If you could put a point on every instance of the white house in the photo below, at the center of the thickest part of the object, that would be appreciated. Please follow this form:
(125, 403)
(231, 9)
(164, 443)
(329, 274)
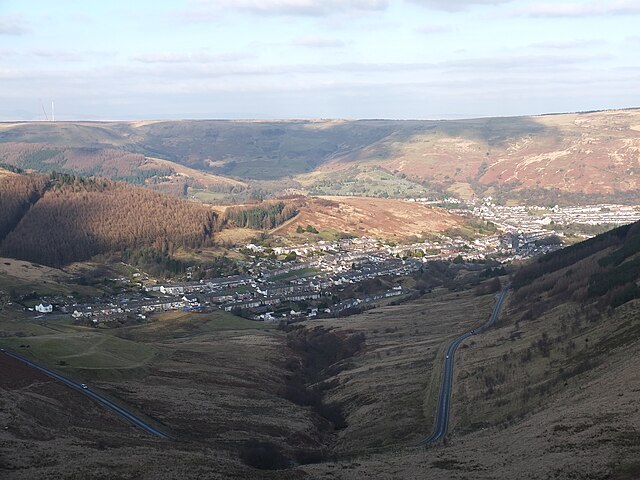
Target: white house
(44, 308)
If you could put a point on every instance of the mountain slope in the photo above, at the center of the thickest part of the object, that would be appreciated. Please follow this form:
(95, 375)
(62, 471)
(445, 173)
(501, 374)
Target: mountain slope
(557, 380)
(576, 157)
(58, 219)
(374, 217)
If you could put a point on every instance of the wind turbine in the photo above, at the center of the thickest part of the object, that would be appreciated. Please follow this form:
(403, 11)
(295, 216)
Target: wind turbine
(44, 111)
(53, 115)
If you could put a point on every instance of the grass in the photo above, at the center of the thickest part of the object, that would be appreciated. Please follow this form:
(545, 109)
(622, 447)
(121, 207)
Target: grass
(516, 367)
(16, 324)
(65, 346)
(112, 354)
(214, 321)
(208, 197)
(398, 374)
(82, 350)
(363, 180)
(43, 288)
(626, 471)
(303, 272)
(22, 278)
(178, 324)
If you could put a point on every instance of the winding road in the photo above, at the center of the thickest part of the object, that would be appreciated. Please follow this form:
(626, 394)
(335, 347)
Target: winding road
(444, 400)
(82, 388)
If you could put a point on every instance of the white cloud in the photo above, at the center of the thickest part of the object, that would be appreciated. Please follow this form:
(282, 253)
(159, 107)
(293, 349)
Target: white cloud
(569, 45)
(298, 7)
(455, 5)
(580, 9)
(13, 25)
(195, 58)
(433, 29)
(58, 55)
(319, 42)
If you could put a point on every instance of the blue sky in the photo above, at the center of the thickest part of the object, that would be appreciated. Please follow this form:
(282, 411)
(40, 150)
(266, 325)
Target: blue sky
(315, 58)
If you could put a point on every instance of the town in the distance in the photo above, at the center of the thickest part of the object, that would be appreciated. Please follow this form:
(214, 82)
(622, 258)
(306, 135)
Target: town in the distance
(295, 282)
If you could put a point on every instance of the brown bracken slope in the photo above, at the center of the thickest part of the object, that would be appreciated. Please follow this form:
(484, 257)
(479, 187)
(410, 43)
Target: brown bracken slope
(373, 217)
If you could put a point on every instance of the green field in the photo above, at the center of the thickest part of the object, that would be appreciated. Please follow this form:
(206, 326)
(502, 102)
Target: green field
(69, 347)
(178, 324)
(208, 197)
(303, 272)
(82, 350)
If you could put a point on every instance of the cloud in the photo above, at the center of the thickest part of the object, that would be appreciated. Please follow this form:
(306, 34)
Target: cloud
(502, 64)
(319, 42)
(314, 8)
(58, 55)
(501, 85)
(569, 45)
(62, 55)
(456, 5)
(579, 9)
(13, 25)
(195, 58)
(432, 29)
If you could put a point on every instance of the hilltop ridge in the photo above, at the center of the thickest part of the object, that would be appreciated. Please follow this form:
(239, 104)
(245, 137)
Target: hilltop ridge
(575, 156)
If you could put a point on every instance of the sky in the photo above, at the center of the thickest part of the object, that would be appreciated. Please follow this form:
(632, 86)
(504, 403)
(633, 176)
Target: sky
(263, 59)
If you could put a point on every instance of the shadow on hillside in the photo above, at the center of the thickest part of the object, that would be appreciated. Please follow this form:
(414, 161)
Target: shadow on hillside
(494, 132)
(271, 150)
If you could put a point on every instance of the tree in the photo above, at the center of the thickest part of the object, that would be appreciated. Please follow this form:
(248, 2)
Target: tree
(291, 256)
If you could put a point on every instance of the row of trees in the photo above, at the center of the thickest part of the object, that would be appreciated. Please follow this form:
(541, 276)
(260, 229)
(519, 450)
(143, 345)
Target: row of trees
(264, 216)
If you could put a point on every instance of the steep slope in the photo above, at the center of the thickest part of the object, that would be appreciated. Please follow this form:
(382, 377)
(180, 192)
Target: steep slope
(17, 194)
(551, 392)
(561, 368)
(60, 219)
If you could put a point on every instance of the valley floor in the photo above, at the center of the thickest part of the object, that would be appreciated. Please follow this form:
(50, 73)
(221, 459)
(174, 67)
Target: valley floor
(215, 384)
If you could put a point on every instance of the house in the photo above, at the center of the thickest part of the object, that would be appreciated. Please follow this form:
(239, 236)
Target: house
(44, 308)
(191, 300)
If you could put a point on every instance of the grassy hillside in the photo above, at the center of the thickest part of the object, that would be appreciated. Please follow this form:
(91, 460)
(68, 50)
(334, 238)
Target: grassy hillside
(560, 366)
(571, 157)
(552, 390)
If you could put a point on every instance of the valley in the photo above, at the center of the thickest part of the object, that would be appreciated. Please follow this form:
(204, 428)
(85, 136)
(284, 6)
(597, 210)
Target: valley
(551, 159)
(319, 239)
(280, 320)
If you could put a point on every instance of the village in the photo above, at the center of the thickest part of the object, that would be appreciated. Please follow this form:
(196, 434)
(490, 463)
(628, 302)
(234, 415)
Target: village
(535, 219)
(292, 283)
(321, 281)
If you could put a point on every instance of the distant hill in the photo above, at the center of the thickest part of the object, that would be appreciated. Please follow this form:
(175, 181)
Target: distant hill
(577, 157)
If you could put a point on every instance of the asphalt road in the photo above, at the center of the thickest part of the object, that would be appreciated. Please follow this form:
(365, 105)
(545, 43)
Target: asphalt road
(131, 418)
(444, 400)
